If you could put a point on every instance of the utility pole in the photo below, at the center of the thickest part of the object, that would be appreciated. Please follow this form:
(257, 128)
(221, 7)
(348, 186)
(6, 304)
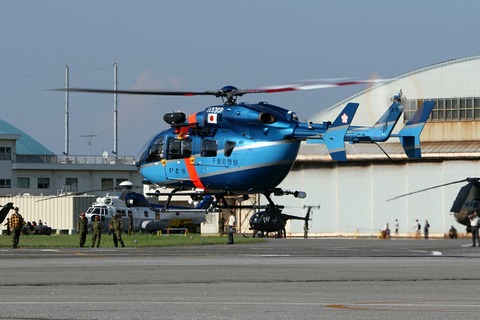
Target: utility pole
(115, 111)
(67, 137)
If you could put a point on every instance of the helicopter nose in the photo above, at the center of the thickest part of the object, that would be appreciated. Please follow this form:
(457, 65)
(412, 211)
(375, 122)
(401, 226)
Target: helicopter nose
(137, 164)
(140, 158)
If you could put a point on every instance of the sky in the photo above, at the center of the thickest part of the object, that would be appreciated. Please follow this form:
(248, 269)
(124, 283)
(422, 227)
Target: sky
(205, 45)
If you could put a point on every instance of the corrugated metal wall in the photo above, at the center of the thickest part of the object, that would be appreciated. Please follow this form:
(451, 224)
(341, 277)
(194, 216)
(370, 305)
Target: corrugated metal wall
(61, 213)
(353, 195)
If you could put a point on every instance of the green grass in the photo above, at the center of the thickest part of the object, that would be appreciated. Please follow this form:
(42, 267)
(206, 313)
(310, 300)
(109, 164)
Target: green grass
(135, 240)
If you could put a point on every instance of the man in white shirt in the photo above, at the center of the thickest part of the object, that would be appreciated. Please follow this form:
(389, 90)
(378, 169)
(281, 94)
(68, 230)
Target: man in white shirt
(474, 220)
(231, 227)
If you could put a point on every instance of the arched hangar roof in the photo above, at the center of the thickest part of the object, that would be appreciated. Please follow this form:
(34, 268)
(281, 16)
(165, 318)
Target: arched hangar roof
(453, 129)
(449, 79)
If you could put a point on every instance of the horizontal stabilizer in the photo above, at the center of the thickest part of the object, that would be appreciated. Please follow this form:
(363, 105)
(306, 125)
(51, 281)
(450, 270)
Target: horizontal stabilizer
(335, 134)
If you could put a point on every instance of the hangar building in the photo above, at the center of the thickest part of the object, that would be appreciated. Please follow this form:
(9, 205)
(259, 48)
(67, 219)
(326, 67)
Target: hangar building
(353, 195)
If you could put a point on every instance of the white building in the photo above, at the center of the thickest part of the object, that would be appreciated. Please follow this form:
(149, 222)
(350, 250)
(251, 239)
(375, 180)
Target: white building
(27, 167)
(29, 170)
(353, 195)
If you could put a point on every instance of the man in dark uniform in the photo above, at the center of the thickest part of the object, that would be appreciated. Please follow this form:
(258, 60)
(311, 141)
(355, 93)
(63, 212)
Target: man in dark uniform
(82, 229)
(115, 227)
(97, 231)
(130, 224)
(16, 226)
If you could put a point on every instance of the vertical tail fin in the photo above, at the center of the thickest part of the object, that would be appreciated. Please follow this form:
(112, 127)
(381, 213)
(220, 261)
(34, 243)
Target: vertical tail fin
(410, 134)
(335, 134)
(383, 128)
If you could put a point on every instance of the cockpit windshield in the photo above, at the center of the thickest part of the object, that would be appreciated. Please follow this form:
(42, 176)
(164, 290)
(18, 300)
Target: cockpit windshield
(156, 151)
(149, 150)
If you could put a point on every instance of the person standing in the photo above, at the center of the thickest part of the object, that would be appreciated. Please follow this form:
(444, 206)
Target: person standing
(82, 229)
(231, 227)
(16, 226)
(115, 227)
(417, 228)
(130, 224)
(221, 225)
(426, 228)
(97, 232)
(386, 231)
(474, 221)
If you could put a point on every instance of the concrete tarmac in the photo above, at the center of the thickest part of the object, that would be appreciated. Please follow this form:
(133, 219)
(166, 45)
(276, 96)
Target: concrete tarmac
(278, 279)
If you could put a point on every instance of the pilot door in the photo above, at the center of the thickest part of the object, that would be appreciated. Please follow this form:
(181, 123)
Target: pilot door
(178, 159)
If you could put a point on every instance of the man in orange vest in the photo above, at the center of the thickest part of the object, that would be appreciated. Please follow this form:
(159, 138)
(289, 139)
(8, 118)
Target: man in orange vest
(16, 226)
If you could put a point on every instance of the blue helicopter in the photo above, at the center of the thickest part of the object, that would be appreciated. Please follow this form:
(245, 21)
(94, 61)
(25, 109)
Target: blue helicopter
(241, 149)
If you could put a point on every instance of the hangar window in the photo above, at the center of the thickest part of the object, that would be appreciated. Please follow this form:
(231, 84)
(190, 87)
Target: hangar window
(71, 184)
(107, 183)
(23, 182)
(5, 153)
(43, 183)
(447, 109)
(5, 183)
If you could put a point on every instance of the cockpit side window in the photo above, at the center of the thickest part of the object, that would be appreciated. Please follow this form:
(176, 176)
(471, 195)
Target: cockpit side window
(179, 148)
(156, 151)
(209, 148)
(229, 145)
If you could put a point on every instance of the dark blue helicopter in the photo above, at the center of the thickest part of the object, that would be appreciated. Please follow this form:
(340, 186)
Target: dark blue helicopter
(5, 210)
(240, 149)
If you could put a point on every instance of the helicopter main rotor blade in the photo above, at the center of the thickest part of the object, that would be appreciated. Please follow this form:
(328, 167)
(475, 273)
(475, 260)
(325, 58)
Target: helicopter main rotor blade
(430, 188)
(141, 92)
(79, 193)
(309, 85)
(230, 91)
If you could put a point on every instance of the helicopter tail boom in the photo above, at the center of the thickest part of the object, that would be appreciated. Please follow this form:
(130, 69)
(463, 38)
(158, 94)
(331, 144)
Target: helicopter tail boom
(380, 131)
